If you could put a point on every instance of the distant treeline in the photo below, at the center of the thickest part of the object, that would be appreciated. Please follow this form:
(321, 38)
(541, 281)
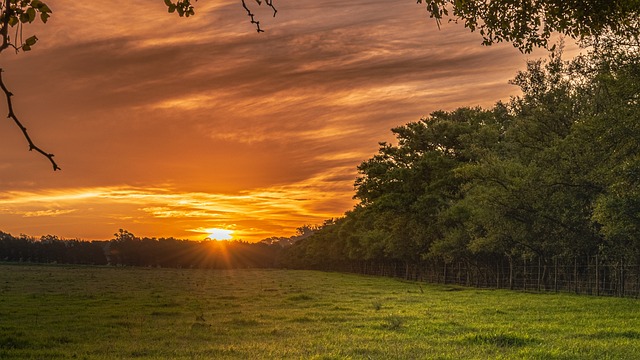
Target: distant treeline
(550, 180)
(128, 250)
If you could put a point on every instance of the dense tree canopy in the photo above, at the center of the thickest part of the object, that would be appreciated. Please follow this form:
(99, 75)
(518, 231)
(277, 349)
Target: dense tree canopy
(530, 23)
(551, 175)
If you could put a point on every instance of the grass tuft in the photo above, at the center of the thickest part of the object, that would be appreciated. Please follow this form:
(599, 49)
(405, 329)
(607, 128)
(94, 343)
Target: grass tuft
(393, 322)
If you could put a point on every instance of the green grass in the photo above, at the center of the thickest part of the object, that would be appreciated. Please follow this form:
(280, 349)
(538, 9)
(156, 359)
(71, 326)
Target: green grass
(51, 312)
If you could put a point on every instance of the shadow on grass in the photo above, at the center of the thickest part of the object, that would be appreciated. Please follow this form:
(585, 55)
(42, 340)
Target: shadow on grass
(501, 340)
(611, 334)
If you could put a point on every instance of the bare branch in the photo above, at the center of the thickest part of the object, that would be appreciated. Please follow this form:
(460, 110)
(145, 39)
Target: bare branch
(270, 3)
(252, 16)
(12, 115)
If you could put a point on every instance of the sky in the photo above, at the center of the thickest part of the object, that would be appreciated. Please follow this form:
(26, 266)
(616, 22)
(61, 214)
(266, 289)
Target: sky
(168, 126)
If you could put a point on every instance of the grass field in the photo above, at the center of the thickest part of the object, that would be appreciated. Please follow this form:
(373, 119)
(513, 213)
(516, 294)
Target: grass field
(49, 312)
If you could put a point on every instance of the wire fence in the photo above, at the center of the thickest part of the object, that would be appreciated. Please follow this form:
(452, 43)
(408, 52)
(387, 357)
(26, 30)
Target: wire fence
(589, 275)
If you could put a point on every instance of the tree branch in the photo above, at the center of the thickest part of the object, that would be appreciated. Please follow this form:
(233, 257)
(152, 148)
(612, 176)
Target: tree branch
(12, 115)
(252, 16)
(270, 3)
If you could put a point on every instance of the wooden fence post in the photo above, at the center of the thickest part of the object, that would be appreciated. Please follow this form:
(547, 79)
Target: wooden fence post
(575, 274)
(539, 272)
(597, 277)
(510, 273)
(555, 274)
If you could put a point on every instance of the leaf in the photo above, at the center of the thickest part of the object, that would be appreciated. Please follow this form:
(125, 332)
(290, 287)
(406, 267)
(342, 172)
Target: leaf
(36, 3)
(44, 17)
(13, 20)
(31, 13)
(26, 47)
(168, 2)
(172, 8)
(44, 9)
(31, 41)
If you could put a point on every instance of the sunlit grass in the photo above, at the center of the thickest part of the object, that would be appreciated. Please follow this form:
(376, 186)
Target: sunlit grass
(108, 313)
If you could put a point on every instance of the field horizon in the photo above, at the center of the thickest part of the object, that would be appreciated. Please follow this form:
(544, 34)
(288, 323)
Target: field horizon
(91, 312)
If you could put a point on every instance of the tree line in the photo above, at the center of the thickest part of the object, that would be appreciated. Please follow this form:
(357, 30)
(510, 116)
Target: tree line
(552, 176)
(126, 249)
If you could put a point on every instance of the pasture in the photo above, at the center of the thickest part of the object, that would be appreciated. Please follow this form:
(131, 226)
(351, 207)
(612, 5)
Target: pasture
(65, 312)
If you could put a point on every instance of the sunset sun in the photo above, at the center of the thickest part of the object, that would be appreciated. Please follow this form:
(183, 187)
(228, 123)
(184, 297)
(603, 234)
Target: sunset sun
(219, 234)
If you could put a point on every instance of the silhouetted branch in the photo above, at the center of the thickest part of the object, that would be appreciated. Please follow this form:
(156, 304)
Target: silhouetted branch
(12, 115)
(252, 16)
(270, 3)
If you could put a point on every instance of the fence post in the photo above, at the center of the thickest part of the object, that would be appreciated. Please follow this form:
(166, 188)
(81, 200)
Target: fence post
(555, 274)
(621, 279)
(575, 274)
(539, 273)
(597, 277)
(524, 277)
(445, 272)
(510, 273)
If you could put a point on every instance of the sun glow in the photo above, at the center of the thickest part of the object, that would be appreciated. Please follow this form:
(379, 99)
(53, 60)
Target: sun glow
(219, 234)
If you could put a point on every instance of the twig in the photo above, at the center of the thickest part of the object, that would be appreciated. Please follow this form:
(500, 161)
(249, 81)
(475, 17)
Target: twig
(270, 3)
(252, 16)
(11, 115)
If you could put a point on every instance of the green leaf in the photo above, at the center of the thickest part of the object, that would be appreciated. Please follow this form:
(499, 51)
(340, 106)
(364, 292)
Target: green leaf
(31, 41)
(172, 8)
(13, 20)
(168, 2)
(26, 47)
(44, 17)
(36, 3)
(44, 9)
(31, 13)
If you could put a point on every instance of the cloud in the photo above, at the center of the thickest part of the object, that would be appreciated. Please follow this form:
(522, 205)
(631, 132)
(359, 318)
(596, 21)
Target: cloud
(256, 212)
(49, 212)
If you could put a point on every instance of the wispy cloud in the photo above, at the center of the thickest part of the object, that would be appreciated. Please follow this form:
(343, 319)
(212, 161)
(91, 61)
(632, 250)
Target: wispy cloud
(254, 214)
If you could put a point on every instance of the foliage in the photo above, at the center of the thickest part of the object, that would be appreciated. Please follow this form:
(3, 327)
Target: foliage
(531, 23)
(551, 175)
(14, 14)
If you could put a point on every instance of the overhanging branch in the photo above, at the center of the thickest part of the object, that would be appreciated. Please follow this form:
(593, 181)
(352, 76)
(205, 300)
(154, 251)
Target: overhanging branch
(13, 116)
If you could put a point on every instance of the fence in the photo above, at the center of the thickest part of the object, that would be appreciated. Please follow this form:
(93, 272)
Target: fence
(588, 275)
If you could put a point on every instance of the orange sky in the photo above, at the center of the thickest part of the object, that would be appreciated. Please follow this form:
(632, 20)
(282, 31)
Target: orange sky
(167, 126)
